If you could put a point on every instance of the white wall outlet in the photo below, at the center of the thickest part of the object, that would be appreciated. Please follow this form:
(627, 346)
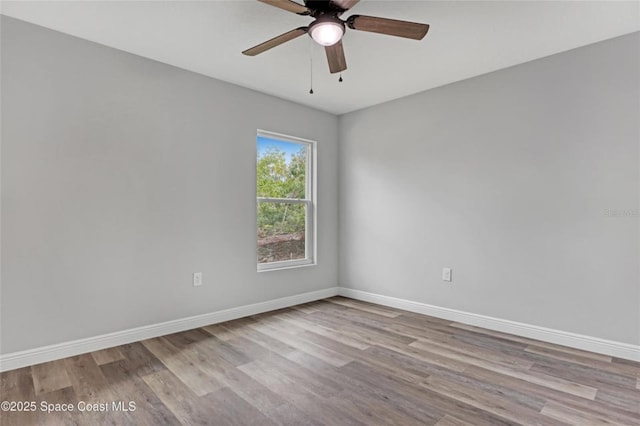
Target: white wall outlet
(446, 274)
(197, 279)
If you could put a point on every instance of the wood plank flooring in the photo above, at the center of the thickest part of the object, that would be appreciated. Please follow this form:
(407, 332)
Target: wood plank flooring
(331, 362)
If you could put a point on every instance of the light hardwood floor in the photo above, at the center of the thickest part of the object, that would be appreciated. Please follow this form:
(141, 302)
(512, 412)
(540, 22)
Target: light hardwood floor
(333, 362)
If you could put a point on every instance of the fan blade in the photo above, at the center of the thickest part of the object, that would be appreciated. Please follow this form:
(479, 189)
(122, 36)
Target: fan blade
(288, 5)
(388, 26)
(335, 57)
(345, 4)
(276, 41)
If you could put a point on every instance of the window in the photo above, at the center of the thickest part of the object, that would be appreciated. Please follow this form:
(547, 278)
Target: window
(285, 189)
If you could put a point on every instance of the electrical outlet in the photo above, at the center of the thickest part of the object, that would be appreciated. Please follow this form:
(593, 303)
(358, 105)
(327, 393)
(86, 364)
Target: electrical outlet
(197, 279)
(446, 274)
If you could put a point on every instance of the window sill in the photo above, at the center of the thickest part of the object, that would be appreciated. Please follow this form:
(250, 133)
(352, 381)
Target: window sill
(279, 266)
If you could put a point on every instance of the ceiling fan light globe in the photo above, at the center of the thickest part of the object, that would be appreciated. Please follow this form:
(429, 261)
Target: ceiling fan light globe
(327, 33)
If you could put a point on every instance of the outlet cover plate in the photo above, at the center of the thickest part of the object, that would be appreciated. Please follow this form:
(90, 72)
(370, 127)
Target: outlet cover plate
(446, 274)
(197, 279)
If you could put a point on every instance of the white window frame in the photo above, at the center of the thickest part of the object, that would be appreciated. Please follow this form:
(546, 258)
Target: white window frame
(310, 201)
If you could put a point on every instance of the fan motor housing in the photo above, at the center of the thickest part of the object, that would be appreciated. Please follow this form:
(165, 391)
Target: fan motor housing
(319, 6)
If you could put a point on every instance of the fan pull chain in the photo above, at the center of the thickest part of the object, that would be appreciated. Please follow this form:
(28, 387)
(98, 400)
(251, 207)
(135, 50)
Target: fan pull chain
(311, 66)
(340, 79)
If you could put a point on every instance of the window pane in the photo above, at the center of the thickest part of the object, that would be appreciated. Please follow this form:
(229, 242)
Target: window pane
(281, 232)
(281, 169)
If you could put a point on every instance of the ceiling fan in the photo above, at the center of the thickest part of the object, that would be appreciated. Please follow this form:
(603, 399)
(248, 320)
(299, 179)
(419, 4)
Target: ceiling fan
(327, 28)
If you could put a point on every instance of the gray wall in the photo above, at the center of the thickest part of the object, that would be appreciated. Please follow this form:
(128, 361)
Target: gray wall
(505, 178)
(121, 176)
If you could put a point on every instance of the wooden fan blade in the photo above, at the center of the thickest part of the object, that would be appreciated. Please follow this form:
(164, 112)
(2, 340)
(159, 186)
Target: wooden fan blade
(386, 26)
(345, 4)
(276, 41)
(335, 57)
(288, 5)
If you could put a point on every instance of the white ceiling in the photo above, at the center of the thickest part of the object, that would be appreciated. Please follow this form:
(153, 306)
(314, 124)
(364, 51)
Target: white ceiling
(466, 38)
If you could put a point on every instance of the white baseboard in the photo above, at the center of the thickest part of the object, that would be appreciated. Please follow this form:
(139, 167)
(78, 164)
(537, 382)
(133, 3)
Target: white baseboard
(564, 338)
(20, 359)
